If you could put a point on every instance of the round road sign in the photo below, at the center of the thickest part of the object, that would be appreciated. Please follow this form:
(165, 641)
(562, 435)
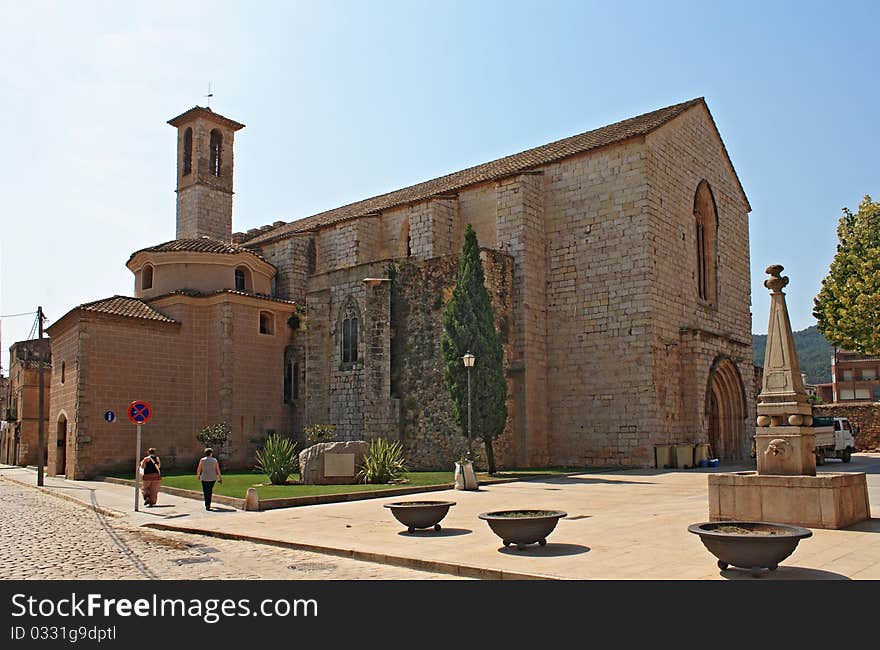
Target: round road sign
(140, 412)
(110, 416)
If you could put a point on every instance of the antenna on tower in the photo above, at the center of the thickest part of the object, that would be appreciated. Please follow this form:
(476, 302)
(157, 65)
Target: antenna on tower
(209, 95)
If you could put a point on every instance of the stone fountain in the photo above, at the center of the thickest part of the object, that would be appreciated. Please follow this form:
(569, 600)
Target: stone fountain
(785, 488)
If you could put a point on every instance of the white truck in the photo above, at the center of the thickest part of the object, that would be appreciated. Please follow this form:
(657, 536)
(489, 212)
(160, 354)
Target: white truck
(834, 439)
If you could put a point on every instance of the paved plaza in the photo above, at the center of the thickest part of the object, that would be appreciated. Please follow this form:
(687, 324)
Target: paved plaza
(44, 537)
(624, 525)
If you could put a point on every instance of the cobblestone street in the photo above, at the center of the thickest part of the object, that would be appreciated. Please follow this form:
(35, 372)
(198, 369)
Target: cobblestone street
(44, 537)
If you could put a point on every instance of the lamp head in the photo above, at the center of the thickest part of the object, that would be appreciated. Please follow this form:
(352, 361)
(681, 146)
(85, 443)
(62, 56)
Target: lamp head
(468, 360)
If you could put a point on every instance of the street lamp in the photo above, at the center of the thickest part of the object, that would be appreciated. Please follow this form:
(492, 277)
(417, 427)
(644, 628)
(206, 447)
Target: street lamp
(468, 360)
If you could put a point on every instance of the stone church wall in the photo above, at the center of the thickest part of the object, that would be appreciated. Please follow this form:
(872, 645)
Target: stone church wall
(687, 333)
(419, 293)
(598, 309)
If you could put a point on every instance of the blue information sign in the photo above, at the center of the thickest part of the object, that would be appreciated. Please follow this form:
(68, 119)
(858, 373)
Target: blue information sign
(110, 416)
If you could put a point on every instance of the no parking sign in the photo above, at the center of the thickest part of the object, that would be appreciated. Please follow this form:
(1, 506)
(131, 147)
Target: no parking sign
(140, 412)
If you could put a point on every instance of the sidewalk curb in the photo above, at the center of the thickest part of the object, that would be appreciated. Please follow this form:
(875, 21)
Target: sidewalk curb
(462, 570)
(107, 512)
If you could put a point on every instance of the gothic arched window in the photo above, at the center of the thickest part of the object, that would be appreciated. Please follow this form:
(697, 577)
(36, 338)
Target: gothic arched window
(216, 148)
(706, 226)
(187, 151)
(349, 348)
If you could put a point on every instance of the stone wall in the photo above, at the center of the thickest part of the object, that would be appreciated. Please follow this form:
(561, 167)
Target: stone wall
(420, 291)
(864, 416)
(688, 334)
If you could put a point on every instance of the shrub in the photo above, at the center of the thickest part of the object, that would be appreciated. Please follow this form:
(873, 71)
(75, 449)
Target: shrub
(214, 435)
(319, 432)
(382, 463)
(277, 459)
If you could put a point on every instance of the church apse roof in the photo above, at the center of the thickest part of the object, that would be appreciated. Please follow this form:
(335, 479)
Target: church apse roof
(125, 306)
(201, 245)
(520, 162)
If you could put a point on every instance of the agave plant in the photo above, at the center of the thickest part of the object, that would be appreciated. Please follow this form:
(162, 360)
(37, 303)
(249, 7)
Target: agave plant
(382, 463)
(277, 459)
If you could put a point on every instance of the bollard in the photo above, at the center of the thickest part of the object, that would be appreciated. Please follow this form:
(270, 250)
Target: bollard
(252, 500)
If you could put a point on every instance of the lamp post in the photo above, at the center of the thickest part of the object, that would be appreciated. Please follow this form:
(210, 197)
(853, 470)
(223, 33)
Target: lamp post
(468, 360)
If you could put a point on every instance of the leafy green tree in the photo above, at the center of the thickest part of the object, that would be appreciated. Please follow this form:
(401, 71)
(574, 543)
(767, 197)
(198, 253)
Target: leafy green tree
(469, 326)
(847, 309)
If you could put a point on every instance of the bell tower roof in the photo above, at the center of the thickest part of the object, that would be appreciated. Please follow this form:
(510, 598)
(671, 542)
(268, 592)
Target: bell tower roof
(206, 113)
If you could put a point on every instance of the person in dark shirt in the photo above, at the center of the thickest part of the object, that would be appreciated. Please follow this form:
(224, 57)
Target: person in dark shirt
(152, 477)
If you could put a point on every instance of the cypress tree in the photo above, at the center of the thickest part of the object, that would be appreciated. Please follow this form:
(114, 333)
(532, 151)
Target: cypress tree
(469, 326)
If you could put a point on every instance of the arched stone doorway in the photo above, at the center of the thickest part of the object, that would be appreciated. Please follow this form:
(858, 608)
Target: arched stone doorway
(726, 411)
(61, 446)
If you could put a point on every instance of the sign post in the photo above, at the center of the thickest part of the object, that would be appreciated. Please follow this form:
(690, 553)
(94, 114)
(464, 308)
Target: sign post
(139, 413)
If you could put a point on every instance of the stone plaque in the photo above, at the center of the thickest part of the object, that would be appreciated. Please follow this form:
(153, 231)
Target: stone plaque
(338, 464)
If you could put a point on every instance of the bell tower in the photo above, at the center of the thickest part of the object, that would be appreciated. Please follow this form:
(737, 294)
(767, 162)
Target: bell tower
(204, 174)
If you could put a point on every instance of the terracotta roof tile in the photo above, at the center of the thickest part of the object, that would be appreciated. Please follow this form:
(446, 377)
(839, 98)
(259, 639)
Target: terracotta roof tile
(125, 306)
(207, 113)
(195, 293)
(201, 245)
(507, 166)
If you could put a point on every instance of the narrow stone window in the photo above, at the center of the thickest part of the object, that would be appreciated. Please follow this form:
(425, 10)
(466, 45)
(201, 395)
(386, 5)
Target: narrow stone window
(706, 229)
(346, 341)
(354, 339)
(267, 322)
(288, 378)
(216, 148)
(62, 371)
(187, 151)
(349, 330)
(147, 277)
(295, 381)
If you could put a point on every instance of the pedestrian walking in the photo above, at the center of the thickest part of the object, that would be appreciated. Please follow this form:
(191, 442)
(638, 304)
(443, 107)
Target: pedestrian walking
(208, 472)
(152, 477)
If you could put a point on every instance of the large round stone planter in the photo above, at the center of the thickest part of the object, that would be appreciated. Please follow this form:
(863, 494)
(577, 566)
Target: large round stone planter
(420, 514)
(522, 527)
(753, 545)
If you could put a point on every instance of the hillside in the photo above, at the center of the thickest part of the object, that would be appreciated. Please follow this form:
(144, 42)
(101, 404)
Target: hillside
(814, 353)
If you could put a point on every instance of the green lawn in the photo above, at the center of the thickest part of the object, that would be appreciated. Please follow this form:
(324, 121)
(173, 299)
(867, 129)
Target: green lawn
(236, 484)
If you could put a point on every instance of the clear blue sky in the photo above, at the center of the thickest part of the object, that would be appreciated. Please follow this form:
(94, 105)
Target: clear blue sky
(345, 100)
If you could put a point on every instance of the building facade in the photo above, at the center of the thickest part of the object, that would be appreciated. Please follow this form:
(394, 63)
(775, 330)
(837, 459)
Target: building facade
(18, 439)
(617, 261)
(854, 377)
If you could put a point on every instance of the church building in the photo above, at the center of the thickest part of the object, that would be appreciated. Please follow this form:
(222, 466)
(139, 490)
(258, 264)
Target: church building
(618, 265)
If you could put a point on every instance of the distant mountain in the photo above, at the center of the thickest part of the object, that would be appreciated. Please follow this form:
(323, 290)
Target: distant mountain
(814, 353)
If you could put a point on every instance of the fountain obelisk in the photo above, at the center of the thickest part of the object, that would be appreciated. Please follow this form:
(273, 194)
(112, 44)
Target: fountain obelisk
(786, 488)
(784, 441)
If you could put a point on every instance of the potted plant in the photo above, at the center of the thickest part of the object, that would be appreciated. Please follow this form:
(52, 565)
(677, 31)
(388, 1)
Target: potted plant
(522, 527)
(752, 545)
(420, 514)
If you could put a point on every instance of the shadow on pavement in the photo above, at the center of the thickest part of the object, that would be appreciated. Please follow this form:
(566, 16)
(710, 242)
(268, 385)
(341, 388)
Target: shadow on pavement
(783, 573)
(551, 550)
(443, 532)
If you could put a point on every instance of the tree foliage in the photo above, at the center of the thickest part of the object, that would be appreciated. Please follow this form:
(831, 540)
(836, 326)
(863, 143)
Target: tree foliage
(847, 308)
(469, 326)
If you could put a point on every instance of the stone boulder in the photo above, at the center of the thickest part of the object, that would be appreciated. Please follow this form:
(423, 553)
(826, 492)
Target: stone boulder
(331, 463)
